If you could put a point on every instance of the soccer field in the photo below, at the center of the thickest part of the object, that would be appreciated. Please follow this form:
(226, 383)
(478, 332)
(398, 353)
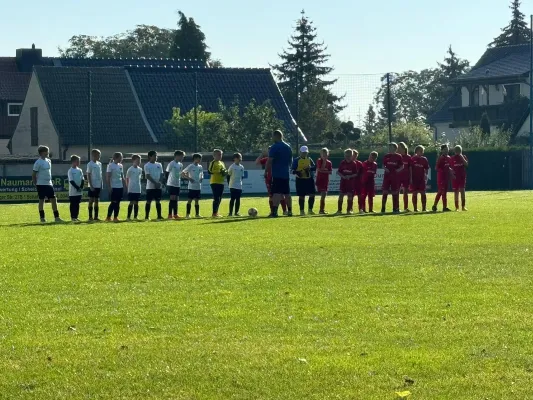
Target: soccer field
(439, 305)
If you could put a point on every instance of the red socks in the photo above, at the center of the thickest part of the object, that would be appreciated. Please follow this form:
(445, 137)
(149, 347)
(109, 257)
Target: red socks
(396, 201)
(406, 201)
(415, 201)
(424, 201)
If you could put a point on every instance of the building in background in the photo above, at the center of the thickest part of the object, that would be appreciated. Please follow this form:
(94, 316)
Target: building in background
(497, 85)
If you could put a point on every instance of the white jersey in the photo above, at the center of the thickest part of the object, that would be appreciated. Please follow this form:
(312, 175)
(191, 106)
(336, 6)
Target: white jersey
(174, 169)
(236, 175)
(196, 172)
(43, 168)
(117, 174)
(134, 176)
(95, 169)
(155, 170)
(75, 175)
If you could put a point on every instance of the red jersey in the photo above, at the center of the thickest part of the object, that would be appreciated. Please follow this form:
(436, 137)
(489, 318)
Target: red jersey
(370, 169)
(263, 162)
(404, 173)
(322, 177)
(419, 168)
(457, 164)
(443, 167)
(348, 168)
(359, 170)
(392, 162)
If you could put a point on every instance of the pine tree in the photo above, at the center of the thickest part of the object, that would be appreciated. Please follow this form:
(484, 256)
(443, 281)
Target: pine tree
(517, 32)
(189, 40)
(371, 125)
(453, 66)
(304, 69)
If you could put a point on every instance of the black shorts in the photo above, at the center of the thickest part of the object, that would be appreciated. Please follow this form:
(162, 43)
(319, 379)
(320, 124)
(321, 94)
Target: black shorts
(173, 190)
(134, 196)
(281, 186)
(236, 193)
(194, 194)
(117, 194)
(46, 192)
(154, 194)
(94, 193)
(305, 187)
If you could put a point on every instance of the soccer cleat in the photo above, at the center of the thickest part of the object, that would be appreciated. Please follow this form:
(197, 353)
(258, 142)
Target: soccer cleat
(362, 212)
(237, 214)
(147, 219)
(97, 220)
(417, 210)
(465, 209)
(177, 216)
(272, 215)
(170, 217)
(396, 211)
(322, 212)
(230, 215)
(424, 210)
(188, 216)
(350, 212)
(407, 210)
(91, 220)
(383, 211)
(43, 220)
(302, 213)
(339, 212)
(286, 213)
(198, 216)
(116, 220)
(446, 210)
(108, 219)
(457, 210)
(311, 212)
(289, 213)
(58, 220)
(128, 219)
(434, 208)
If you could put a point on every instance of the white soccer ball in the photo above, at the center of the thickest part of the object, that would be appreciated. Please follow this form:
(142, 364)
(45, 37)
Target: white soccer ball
(252, 212)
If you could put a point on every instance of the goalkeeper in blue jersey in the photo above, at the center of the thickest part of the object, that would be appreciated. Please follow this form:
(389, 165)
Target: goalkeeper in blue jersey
(304, 168)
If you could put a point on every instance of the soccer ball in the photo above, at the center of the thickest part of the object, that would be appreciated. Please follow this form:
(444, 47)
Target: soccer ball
(252, 212)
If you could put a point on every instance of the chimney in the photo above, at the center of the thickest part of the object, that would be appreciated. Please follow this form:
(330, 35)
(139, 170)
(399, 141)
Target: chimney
(28, 58)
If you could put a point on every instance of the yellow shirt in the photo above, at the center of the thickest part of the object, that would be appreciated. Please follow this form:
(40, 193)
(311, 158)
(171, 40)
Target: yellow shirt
(217, 170)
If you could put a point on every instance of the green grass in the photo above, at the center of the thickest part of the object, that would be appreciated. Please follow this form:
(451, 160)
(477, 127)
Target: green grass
(302, 308)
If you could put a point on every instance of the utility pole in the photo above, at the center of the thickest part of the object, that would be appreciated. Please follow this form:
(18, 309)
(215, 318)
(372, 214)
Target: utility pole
(389, 107)
(90, 110)
(196, 112)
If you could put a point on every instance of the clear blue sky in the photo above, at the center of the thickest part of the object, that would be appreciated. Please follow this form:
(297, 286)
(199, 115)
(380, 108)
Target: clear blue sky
(363, 37)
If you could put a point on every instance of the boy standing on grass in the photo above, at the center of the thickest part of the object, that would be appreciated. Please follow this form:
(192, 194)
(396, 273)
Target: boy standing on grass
(393, 165)
(235, 177)
(348, 172)
(459, 164)
(94, 178)
(370, 169)
(218, 171)
(419, 177)
(116, 184)
(133, 182)
(42, 179)
(443, 178)
(323, 171)
(174, 170)
(76, 182)
(194, 173)
(405, 174)
(358, 182)
(262, 160)
(303, 167)
(153, 171)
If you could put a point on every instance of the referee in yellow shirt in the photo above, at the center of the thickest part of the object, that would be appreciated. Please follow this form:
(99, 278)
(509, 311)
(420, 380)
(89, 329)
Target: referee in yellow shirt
(217, 171)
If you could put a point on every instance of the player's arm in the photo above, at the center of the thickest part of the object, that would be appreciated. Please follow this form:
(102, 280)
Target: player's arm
(401, 167)
(295, 167)
(108, 179)
(211, 168)
(312, 165)
(201, 174)
(34, 177)
(71, 181)
(151, 179)
(124, 185)
(328, 169)
(465, 161)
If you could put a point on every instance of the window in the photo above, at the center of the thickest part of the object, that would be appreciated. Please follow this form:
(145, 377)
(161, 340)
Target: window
(474, 101)
(34, 126)
(511, 92)
(14, 109)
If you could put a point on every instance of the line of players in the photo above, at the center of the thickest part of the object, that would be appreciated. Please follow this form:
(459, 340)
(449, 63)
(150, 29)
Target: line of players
(402, 174)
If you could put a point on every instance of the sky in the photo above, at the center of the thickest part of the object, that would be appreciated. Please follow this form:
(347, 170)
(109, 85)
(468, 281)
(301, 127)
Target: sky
(363, 37)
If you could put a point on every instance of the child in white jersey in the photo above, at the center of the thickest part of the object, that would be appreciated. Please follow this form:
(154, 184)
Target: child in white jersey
(174, 169)
(235, 177)
(195, 174)
(94, 178)
(133, 180)
(154, 172)
(116, 184)
(75, 187)
(42, 179)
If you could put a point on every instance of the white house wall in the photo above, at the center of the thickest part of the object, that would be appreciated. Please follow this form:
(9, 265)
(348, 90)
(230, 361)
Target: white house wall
(495, 95)
(444, 127)
(21, 141)
(465, 97)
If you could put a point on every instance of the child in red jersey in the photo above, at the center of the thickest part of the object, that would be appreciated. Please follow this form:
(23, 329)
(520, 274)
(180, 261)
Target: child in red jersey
(324, 168)
(368, 186)
(405, 174)
(392, 164)
(262, 160)
(358, 183)
(458, 164)
(443, 178)
(348, 172)
(419, 177)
